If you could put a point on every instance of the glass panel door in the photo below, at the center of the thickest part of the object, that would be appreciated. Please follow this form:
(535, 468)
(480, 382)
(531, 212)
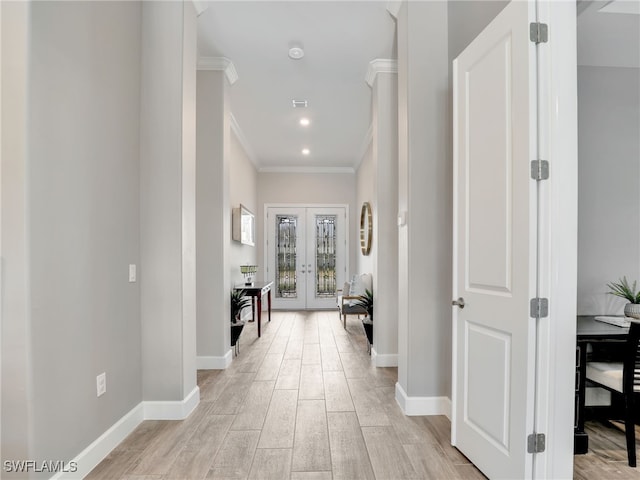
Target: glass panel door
(306, 250)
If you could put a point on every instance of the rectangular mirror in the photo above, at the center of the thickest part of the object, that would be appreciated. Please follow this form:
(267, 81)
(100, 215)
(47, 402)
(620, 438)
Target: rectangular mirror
(243, 225)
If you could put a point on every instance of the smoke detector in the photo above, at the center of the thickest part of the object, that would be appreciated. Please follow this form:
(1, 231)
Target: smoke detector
(296, 53)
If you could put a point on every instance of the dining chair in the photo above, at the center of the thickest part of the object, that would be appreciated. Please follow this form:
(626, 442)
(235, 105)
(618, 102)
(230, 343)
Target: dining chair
(622, 378)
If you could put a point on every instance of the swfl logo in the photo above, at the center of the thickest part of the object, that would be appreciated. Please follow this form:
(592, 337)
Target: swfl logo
(50, 466)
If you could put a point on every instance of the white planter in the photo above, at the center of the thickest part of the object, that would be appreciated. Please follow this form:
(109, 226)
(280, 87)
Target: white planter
(632, 310)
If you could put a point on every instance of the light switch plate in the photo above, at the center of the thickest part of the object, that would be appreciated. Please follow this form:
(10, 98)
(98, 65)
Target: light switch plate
(132, 273)
(101, 383)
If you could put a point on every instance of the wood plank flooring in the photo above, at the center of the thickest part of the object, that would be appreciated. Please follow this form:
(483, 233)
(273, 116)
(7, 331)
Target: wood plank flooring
(303, 403)
(607, 455)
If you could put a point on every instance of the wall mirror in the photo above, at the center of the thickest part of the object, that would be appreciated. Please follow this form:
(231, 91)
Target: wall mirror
(366, 228)
(244, 226)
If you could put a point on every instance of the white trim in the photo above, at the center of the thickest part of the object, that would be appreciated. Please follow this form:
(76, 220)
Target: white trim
(380, 65)
(412, 406)
(558, 226)
(104, 444)
(243, 140)
(172, 410)
(200, 6)
(214, 363)
(393, 7)
(221, 64)
(91, 456)
(306, 170)
(384, 359)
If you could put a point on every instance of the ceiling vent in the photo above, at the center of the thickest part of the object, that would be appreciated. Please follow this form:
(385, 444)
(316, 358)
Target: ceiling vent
(300, 104)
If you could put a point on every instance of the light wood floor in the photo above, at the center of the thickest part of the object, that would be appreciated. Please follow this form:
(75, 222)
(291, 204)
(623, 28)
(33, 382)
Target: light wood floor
(301, 402)
(304, 403)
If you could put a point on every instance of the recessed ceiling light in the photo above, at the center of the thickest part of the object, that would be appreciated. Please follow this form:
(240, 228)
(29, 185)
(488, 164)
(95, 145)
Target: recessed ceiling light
(299, 103)
(305, 151)
(304, 122)
(296, 53)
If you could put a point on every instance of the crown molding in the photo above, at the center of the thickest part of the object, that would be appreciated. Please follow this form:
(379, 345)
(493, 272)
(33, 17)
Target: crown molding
(200, 6)
(393, 7)
(306, 170)
(243, 140)
(380, 65)
(221, 64)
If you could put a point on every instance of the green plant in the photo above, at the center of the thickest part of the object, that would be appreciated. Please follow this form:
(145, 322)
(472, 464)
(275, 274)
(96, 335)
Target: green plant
(366, 301)
(623, 290)
(238, 302)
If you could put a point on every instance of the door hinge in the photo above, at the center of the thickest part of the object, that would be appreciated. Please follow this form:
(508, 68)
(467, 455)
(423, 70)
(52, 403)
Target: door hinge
(540, 169)
(539, 307)
(536, 443)
(538, 32)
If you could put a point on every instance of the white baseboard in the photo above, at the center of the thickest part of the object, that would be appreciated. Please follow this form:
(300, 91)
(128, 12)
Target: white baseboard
(412, 406)
(172, 410)
(383, 360)
(91, 456)
(214, 363)
(98, 450)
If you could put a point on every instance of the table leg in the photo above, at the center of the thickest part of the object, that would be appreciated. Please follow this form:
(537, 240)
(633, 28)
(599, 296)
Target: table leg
(253, 308)
(259, 313)
(580, 437)
(269, 303)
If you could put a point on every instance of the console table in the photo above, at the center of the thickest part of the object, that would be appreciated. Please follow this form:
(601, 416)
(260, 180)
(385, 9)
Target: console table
(256, 291)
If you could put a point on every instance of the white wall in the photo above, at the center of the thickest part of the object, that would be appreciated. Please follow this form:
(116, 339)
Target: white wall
(79, 178)
(243, 190)
(167, 200)
(213, 219)
(609, 171)
(365, 188)
(425, 192)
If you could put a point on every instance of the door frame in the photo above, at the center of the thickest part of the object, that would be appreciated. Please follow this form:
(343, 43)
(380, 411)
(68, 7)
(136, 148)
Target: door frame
(265, 226)
(558, 228)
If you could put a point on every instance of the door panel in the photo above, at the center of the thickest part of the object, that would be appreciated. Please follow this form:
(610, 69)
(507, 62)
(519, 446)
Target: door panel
(495, 245)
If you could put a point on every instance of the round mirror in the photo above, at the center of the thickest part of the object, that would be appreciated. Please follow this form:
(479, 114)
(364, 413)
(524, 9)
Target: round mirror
(366, 228)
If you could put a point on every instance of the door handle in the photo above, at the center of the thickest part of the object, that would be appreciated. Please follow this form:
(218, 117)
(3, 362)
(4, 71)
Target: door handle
(458, 303)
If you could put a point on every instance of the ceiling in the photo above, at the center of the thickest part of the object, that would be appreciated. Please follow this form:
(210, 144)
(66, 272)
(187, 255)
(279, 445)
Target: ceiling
(339, 40)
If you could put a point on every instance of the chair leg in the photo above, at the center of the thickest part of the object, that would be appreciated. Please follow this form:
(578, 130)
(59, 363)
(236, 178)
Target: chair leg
(344, 317)
(629, 429)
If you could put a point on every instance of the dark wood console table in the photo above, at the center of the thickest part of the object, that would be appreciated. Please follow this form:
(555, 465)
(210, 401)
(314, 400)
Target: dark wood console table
(256, 291)
(589, 330)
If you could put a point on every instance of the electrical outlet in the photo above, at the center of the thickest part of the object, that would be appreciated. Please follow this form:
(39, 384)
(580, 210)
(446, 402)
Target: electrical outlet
(101, 383)
(132, 273)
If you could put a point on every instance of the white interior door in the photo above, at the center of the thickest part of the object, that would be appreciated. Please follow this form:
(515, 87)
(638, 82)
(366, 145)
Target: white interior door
(306, 255)
(495, 235)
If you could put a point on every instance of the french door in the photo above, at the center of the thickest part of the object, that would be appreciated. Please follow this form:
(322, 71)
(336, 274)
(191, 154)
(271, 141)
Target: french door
(306, 255)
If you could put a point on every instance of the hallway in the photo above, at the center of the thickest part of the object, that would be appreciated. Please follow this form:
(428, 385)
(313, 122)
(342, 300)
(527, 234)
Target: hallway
(301, 402)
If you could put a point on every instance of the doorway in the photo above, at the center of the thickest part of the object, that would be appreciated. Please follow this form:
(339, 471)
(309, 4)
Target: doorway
(305, 249)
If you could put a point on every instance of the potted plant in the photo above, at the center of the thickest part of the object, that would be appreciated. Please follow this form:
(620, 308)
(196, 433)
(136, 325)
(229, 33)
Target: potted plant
(623, 290)
(366, 301)
(238, 303)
